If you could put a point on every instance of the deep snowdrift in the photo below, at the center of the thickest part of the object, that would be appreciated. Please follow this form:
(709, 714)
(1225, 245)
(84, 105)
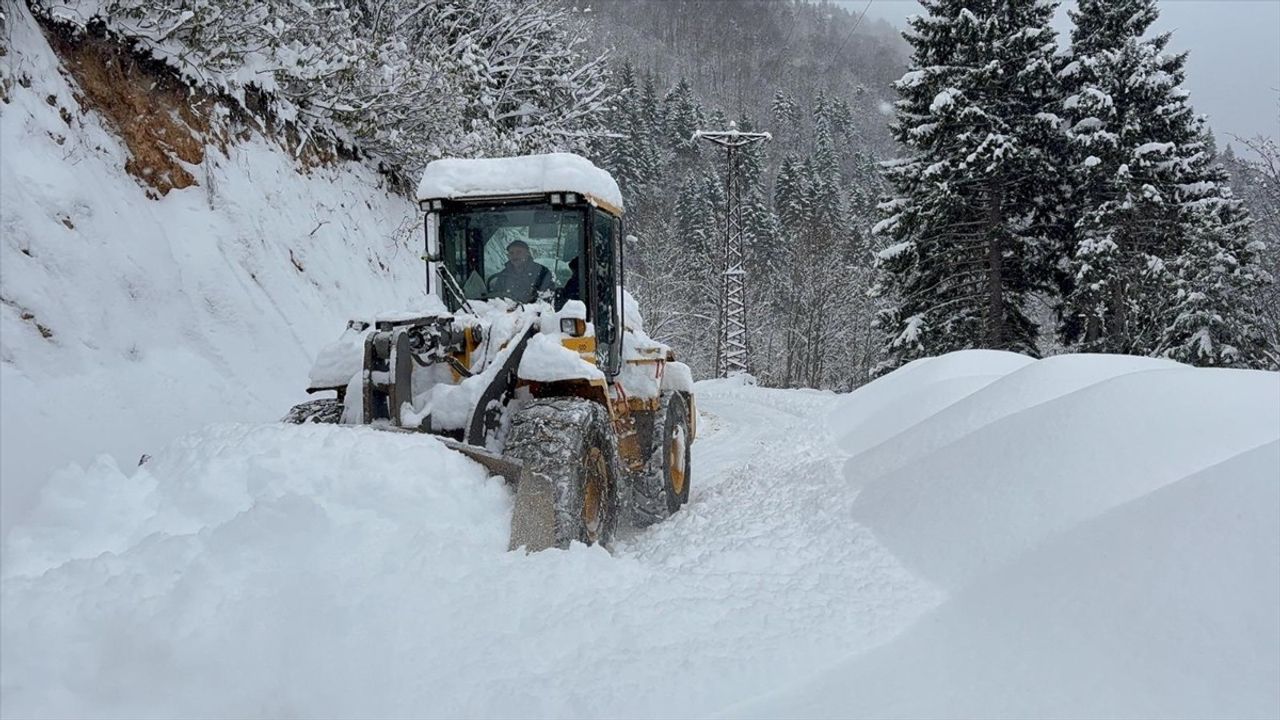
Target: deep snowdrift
(1080, 536)
(164, 315)
(331, 572)
(1108, 530)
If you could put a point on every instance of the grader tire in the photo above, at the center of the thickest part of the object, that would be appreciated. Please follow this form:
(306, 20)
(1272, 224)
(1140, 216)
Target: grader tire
(324, 410)
(663, 486)
(568, 489)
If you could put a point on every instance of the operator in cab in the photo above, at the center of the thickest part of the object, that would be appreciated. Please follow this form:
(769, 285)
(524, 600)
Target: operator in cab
(522, 279)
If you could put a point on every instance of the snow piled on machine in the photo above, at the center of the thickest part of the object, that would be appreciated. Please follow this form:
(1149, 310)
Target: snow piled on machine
(458, 178)
(647, 370)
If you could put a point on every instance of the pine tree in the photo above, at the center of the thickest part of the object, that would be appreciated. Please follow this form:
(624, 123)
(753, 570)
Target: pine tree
(1158, 254)
(969, 234)
(785, 110)
(825, 171)
(1256, 181)
(682, 117)
(699, 229)
(791, 193)
(626, 148)
(1217, 274)
(760, 225)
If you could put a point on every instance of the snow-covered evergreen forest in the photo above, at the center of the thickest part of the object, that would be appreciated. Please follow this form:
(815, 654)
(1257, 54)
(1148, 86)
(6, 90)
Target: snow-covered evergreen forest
(1037, 194)
(974, 182)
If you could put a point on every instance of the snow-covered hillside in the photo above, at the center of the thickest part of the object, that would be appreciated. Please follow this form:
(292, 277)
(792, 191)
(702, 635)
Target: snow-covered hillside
(127, 320)
(974, 535)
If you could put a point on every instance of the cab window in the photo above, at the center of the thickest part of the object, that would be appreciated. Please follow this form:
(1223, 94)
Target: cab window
(523, 252)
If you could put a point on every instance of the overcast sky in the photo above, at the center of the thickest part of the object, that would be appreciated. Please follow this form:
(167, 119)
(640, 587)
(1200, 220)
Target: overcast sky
(1233, 73)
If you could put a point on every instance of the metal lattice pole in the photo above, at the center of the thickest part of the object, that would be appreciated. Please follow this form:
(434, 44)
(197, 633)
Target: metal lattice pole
(732, 356)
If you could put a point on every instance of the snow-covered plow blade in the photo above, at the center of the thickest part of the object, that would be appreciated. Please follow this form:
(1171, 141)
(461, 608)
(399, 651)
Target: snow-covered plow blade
(533, 519)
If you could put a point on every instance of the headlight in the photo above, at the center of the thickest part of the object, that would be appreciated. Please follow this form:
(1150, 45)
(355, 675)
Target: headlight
(417, 343)
(573, 326)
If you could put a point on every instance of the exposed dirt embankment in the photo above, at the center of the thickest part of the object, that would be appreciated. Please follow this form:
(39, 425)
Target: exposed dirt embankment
(166, 123)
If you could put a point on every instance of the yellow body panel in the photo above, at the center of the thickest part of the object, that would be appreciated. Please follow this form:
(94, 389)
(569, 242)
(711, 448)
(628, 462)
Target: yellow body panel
(584, 346)
(607, 207)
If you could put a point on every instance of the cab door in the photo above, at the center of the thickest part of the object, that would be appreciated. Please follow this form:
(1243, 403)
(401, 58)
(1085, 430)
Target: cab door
(605, 275)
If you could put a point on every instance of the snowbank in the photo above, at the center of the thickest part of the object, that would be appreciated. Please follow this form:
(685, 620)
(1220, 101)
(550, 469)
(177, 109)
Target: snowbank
(1107, 529)
(455, 178)
(1166, 606)
(1000, 484)
(879, 410)
(235, 560)
(127, 320)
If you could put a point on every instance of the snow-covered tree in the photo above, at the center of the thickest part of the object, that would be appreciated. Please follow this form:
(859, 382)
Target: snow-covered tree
(531, 84)
(682, 116)
(1256, 180)
(1158, 255)
(784, 110)
(968, 234)
(628, 147)
(405, 80)
(1218, 277)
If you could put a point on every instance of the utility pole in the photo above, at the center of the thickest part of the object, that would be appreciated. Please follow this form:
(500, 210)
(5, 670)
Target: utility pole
(731, 336)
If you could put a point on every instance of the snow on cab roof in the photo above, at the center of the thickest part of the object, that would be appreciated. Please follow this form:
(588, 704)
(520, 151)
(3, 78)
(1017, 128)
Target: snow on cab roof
(455, 178)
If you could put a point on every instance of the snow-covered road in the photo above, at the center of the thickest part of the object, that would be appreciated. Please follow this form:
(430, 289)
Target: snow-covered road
(330, 571)
(1100, 529)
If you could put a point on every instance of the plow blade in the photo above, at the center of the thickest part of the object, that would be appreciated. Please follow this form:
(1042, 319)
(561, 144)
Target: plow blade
(533, 520)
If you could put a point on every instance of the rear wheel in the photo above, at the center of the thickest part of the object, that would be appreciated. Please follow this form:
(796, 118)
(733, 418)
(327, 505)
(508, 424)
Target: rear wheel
(569, 488)
(664, 485)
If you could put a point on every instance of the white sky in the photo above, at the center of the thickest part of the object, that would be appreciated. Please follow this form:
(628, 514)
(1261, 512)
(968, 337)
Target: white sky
(1233, 72)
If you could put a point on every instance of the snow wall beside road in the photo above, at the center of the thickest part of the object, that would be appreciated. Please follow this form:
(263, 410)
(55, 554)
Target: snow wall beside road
(1106, 529)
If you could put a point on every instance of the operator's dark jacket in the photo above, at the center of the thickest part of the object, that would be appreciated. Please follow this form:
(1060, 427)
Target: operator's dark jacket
(521, 284)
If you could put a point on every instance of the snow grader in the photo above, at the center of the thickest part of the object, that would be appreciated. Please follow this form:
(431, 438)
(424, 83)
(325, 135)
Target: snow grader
(527, 355)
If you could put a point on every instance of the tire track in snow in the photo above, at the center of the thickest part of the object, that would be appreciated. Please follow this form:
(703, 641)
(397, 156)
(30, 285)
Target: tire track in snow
(768, 536)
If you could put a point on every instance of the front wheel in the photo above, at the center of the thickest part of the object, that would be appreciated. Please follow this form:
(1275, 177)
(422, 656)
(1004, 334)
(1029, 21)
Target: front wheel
(569, 487)
(324, 410)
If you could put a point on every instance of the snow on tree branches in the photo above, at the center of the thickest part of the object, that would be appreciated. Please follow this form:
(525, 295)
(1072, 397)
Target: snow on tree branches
(967, 237)
(1159, 258)
(406, 80)
(1082, 180)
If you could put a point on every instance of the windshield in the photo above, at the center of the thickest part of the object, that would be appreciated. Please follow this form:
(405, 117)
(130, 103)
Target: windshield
(521, 252)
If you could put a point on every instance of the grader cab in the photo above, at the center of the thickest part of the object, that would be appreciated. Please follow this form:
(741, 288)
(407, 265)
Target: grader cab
(528, 354)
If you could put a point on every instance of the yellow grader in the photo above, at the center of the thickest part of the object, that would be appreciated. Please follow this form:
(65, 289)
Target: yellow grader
(528, 355)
